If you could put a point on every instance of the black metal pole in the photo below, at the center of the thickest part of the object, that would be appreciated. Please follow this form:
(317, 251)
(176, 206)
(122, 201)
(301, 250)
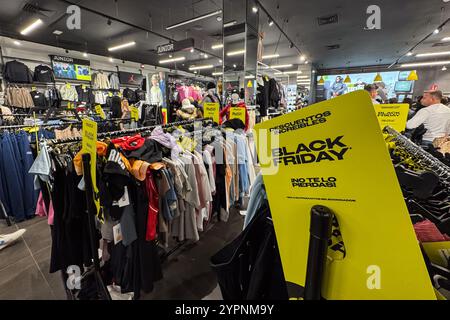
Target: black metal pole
(91, 225)
(320, 233)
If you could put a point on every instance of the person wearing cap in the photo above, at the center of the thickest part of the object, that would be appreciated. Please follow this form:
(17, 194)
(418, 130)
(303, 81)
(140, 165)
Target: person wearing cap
(434, 116)
(211, 94)
(373, 92)
(188, 111)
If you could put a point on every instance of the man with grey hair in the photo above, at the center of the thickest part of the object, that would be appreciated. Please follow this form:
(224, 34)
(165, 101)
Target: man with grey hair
(434, 116)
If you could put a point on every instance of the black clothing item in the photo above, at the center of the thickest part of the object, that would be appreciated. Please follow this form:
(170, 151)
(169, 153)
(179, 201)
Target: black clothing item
(130, 95)
(43, 73)
(114, 103)
(274, 95)
(140, 95)
(144, 84)
(150, 152)
(151, 115)
(15, 71)
(234, 123)
(54, 97)
(85, 95)
(249, 268)
(210, 85)
(39, 99)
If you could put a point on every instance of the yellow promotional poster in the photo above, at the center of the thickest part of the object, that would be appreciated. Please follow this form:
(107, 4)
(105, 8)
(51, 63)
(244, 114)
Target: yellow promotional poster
(89, 145)
(393, 115)
(99, 110)
(314, 157)
(438, 252)
(211, 110)
(237, 113)
(134, 113)
(83, 72)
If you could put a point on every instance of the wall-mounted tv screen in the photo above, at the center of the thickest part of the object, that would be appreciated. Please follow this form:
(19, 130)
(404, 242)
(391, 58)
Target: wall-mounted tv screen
(70, 68)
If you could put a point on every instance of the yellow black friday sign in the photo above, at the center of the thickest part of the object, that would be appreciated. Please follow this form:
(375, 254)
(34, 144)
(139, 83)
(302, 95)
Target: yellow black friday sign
(333, 154)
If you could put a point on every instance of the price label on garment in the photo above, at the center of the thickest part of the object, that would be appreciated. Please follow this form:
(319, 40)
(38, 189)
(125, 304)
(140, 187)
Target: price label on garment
(110, 94)
(117, 233)
(119, 94)
(33, 88)
(237, 113)
(134, 113)
(68, 85)
(83, 86)
(315, 156)
(99, 110)
(393, 115)
(89, 146)
(211, 110)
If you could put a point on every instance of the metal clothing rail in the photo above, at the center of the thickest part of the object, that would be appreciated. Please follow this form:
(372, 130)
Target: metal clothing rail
(60, 124)
(422, 157)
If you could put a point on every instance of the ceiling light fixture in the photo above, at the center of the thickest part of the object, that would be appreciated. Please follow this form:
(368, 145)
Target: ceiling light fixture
(211, 14)
(220, 61)
(217, 73)
(172, 60)
(205, 56)
(192, 50)
(409, 54)
(306, 62)
(433, 54)
(290, 72)
(235, 53)
(302, 58)
(85, 54)
(31, 27)
(446, 39)
(57, 32)
(255, 9)
(302, 77)
(229, 24)
(17, 43)
(281, 66)
(444, 68)
(424, 64)
(122, 46)
(217, 46)
(271, 23)
(170, 56)
(436, 31)
(249, 77)
(234, 66)
(208, 66)
(271, 56)
(111, 60)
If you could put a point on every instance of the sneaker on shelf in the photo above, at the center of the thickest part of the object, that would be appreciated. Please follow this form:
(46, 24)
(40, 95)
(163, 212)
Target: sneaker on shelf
(10, 238)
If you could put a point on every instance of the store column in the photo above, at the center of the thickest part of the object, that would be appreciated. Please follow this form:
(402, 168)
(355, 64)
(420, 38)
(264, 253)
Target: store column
(240, 39)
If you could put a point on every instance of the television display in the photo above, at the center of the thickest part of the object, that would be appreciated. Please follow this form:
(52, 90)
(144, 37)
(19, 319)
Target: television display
(335, 85)
(70, 68)
(403, 86)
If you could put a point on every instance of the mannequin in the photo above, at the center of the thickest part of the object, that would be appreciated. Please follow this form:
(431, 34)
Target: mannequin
(235, 99)
(156, 96)
(235, 102)
(211, 94)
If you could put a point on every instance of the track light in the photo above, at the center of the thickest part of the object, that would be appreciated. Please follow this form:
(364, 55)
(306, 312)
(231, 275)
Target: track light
(109, 22)
(255, 9)
(111, 60)
(302, 58)
(209, 66)
(436, 31)
(122, 46)
(281, 66)
(271, 56)
(270, 23)
(229, 24)
(17, 43)
(444, 68)
(409, 54)
(433, 54)
(211, 14)
(235, 53)
(85, 54)
(217, 46)
(425, 64)
(217, 73)
(172, 60)
(31, 27)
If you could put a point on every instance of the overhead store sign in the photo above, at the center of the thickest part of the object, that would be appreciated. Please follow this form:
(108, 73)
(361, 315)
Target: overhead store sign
(130, 78)
(313, 156)
(175, 46)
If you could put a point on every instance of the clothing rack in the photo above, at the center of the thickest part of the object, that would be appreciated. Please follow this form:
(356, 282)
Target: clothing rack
(423, 157)
(19, 126)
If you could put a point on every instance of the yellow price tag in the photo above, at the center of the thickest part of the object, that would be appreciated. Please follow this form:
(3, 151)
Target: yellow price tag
(33, 88)
(134, 113)
(83, 86)
(89, 145)
(100, 112)
(211, 110)
(393, 115)
(110, 94)
(237, 113)
(68, 85)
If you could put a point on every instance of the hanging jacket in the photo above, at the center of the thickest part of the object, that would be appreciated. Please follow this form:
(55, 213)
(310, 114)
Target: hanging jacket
(225, 114)
(274, 95)
(43, 73)
(100, 81)
(68, 93)
(114, 82)
(85, 95)
(140, 95)
(130, 95)
(115, 106)
(18, 97)
(39, 99)
(17, 72)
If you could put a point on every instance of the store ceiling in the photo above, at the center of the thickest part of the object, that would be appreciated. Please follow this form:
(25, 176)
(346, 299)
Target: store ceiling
(403, 24)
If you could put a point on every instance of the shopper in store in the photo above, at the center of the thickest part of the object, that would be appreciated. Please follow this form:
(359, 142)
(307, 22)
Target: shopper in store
(434, 116)
(372, 90)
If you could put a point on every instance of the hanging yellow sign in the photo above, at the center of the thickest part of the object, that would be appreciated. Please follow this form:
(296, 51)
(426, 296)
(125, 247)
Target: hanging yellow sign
(238, 113)
(314, 156)
(211, 110)
(89, 145)
(249, 84)
(99, 110)
(134, 113)
(393, 115)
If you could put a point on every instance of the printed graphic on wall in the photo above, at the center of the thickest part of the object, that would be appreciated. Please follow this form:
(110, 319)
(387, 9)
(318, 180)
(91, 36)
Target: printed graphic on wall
(321, 160)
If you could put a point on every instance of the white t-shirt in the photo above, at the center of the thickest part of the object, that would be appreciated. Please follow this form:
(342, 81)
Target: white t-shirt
(435, 118)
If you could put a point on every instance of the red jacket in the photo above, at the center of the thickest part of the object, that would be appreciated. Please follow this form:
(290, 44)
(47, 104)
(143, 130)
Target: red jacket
(225, 114)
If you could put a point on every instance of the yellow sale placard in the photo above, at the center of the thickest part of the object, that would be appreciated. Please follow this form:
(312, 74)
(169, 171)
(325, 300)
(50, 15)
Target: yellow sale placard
(237, 113)
(315, 156)
(393, 115)
(211, 110)
(89, 145)
(99, 110)
(134, 113)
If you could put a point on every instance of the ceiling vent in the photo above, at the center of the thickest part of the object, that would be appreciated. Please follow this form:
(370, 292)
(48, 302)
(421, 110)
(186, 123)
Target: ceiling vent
(328, 20)
(333, 47)
(35, 9)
